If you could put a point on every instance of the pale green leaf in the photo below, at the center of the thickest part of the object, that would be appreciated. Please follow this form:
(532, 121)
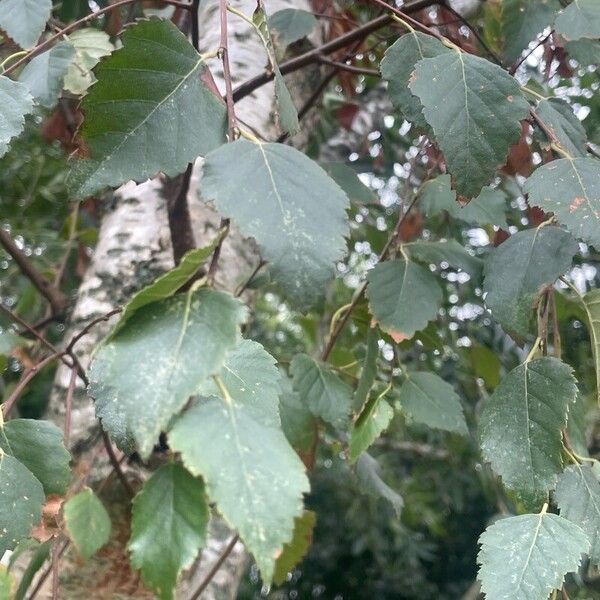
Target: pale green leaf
(576, 426)
(474, 108)
(90, 45)
(518, 270)
(569, 188)
(150, 89)
(168, 283)
(522, 20)
(24, 20)
(558, 116)
(168, 527)
(291, 207)
(324, 392)
(15, 103)
(235, 442)
(449, 251)
(87, 522)
(584, 51)
(294, 550)
(398, 65)
(370, 424)
(520, 426)
(526, 557)
(9, 341)
(578, 498)
(489, 208)
(291, 24)
(39, 446)
(591, 303)
(21, 499)
(581, 19)
(368, 371)
(403, 297)
(426, 398)
(44, 74)
(368, 474)
(146, 372)
(349, 181)
(7, 584)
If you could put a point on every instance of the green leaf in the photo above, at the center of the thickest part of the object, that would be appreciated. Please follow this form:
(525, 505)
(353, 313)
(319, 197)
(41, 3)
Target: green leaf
(428, 399)
(526, 557)
(284, 191)
(45, 73)
(168, 283)
(168, 527)
(486, 364)
(368, 372)
(39, 446)
(578, 498)
(16, 102)
(9, 341)
(371, 423)
(148, 370)
(591, 303)
(570, 188)
(297, 421)
(21, 499)
(474, 108)
(150, 88)
(236, 443)
(581, 19)
(522, 21)
(24, 20)
(349, 181)
(87, 522)
(7, 584)
(517, 271)
(488, 208)
(368, 474)
(286, 111)
(398, 65)
(450, 252)
(576, 426)
(327, 396)
(90, 45)
(520, 426)
(568, 129)
(41, 553)
(295, 550)
(585, 52)
(403, 297)
(290, 25)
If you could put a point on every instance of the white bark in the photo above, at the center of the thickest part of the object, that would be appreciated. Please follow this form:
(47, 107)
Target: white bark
(133, 247)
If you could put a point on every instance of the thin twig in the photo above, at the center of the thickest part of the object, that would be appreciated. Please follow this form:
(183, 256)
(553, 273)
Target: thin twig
(72, 26)
(516, 66)
(46, 573)
(350, 68)
(55, 558)
(213, 571)
(90, 326)
(244, 286)
(69, 405)
(116, 464)
(55, 297)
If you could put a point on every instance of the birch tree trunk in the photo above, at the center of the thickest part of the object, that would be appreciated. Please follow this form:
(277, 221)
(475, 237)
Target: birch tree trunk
(134, 246)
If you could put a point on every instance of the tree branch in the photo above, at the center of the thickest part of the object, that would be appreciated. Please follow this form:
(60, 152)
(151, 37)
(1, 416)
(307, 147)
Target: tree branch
(58, 301)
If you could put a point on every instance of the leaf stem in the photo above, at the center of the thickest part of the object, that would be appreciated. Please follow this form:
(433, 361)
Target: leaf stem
(534, 349)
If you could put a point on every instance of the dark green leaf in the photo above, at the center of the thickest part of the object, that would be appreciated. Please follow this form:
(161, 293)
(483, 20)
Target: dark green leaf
(349, 181)
(235, 442)
(570, 188)
(24, 20)
(41, 553)
(585, 52)
(21, 499)
(517, 271)
(474, 108)
(168, 527)
(591, 304)
(403, 297)
(297, 421)
(559, 118)
(526, 557)
(39, 446)
(45, 73)
(428, 399)
(146, 372)
(294, 551)
(150, 87)
(370, 424)
(15, 103)
(87, 522)
(368, 371)
(290, 25)
(398, 65)
(284, 193)
(486, 365)
(450, 252)
(520, 426)
(578, 498)
(327, 396)
(581, 19)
